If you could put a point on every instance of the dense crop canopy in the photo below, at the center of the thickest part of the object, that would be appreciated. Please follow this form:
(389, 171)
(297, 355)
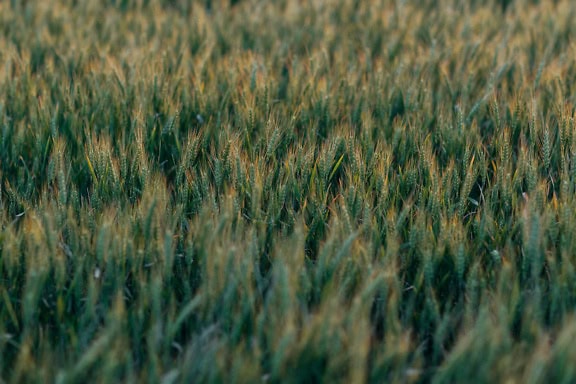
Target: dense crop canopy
(287, 191)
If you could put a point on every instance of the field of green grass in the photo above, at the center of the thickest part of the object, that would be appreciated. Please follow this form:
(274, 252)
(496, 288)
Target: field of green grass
(291, 191)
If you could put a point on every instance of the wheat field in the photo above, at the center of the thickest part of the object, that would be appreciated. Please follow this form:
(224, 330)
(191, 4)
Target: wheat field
(243, 191)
